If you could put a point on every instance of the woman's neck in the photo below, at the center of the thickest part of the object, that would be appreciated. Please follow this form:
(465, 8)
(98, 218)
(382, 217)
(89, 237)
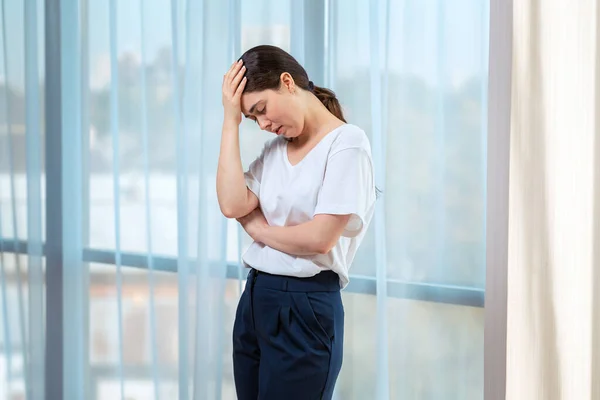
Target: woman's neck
(317, 122)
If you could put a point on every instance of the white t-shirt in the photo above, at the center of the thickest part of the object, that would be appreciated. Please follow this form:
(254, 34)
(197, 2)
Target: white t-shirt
(335, 177)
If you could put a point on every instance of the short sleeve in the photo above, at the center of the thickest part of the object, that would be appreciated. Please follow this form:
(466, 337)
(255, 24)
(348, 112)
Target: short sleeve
(254, 175)
(348, 188)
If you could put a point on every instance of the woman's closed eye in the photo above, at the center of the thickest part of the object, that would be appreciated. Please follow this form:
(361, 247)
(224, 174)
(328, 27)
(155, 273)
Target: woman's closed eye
(262, 111)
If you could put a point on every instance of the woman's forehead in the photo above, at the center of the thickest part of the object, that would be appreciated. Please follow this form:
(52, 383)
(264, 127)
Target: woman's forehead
(251, 99)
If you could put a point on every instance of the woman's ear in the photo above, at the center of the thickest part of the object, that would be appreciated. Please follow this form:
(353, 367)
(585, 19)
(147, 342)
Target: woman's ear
(287, 82)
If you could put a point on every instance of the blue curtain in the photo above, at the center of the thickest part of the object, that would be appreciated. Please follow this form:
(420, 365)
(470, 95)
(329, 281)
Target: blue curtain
(150, 273)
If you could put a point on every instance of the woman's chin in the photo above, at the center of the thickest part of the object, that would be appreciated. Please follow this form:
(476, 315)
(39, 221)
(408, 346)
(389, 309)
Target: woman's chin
(288, 135)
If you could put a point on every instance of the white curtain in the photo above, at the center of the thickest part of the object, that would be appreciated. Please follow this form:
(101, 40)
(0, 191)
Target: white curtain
(151, 273)
(554, 208)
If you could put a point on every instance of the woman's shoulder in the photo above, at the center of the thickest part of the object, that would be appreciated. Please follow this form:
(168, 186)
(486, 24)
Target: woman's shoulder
(351, 136)
(273, 146)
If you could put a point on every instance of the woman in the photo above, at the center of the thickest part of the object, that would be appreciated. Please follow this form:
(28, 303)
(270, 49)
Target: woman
(306, 201)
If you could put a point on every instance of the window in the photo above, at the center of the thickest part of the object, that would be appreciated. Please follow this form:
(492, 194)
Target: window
(413, 75)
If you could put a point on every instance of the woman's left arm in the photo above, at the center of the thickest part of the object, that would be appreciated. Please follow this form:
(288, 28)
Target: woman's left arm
(317, 236)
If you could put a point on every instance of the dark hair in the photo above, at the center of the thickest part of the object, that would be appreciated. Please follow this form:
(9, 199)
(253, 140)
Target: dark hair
(264, 66)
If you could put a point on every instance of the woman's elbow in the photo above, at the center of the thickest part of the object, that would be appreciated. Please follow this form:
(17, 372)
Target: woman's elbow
(324, 246)
(327, 231)
(230, 212)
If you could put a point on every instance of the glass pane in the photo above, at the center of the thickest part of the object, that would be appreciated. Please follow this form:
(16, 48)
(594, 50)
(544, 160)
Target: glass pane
(435, 350)
(436, 79)
(357, 380)
(14, 325)
(137, 332)
(13, 121)
(436, 148)
(158, 118)
(443, 344)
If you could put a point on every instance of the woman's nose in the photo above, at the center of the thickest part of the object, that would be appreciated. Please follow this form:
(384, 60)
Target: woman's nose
(263, 123)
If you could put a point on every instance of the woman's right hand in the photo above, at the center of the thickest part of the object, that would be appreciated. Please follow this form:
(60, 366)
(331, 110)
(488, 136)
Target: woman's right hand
(233, 86)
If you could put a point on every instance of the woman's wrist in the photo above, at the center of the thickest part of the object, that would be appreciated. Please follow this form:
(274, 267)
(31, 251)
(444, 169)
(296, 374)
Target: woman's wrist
(261, 233)
(230, 124)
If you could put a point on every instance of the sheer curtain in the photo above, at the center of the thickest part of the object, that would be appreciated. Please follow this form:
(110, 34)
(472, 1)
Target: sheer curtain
(553, 340)
(120, 277)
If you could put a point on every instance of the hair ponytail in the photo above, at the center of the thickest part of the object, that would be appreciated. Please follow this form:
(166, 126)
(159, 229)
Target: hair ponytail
(329, 100)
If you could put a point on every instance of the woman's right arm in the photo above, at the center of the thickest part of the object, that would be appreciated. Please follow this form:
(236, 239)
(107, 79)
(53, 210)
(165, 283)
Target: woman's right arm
(235, 199)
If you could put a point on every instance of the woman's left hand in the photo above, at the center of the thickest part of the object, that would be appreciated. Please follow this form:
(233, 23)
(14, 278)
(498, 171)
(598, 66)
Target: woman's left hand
(254, 223)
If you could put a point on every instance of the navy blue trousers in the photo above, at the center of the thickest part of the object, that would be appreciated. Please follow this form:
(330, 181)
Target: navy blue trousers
(288, 337)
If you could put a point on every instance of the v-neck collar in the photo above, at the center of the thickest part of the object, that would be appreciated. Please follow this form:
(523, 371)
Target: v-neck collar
(285, 148)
